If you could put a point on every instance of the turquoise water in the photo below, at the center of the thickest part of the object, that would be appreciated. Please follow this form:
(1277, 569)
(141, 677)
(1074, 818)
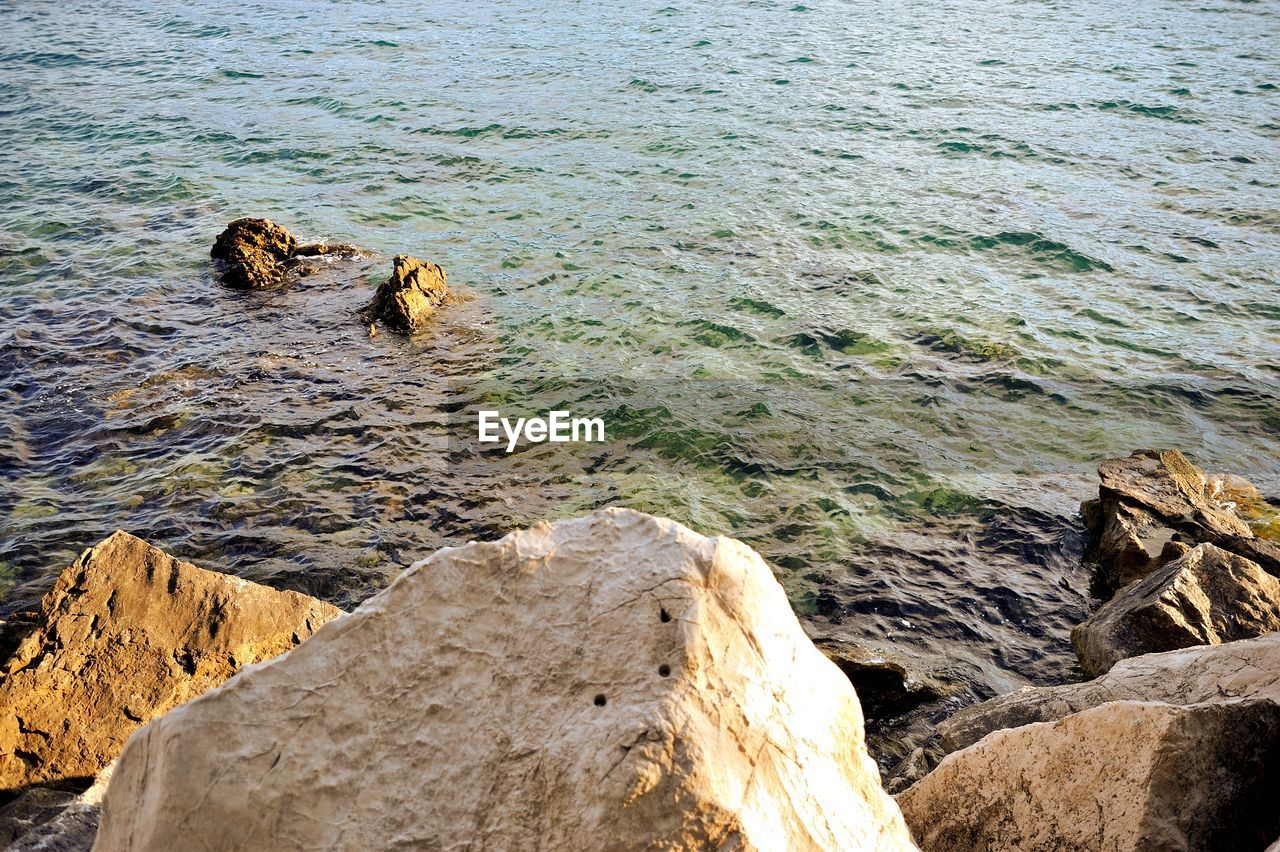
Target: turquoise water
(872, 287)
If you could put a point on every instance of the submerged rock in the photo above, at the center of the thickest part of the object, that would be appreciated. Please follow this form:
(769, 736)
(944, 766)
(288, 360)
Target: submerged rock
(126, 633)
(885, 687)
(253, 253)
(1207, 597)
(1249, 668)
(1125, 777)
(410, 296)
(615, 681)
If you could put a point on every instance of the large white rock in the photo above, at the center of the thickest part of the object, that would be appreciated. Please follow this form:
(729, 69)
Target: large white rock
(1123, 777)
(612, 682)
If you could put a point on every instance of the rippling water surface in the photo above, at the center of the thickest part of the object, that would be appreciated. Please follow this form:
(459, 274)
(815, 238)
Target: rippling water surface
(870, 286)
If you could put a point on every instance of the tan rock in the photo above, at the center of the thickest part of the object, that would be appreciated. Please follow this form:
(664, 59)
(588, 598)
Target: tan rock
(1207, 597)
(1249, 668)
(611, 682)
(410, 296)
(1122, 777)
(126, 633)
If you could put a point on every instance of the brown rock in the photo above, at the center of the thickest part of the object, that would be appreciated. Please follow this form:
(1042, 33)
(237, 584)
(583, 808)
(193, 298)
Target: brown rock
(1207, 597)
(410, 296)
(253, 252)
(886, 687)
(1171, 487)
(126, 633)
(612, 682)
(1155, 505)
(1122, 777)
(1249, 668)
(321, 249)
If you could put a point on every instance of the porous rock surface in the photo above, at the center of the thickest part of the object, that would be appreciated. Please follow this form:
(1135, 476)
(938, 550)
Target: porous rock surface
(410, 296)
(1246, 669)
(126, 633)
(1123, 777)
(1155, 505)
(1207, 597)
(611, 682)
(253, 253)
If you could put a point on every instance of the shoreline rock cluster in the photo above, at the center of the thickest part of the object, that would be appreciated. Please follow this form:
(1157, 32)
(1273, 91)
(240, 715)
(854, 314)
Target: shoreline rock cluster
(1176, 744)
(620, 681)
(255, 254)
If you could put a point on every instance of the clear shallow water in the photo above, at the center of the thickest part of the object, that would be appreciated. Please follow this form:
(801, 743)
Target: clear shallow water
(870, 286)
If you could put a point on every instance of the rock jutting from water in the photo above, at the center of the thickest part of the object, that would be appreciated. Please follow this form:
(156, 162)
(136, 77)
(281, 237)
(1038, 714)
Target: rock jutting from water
(615, 681)
(258, 253)
(1246, 669)
(410, 296)
(1155, 505)
(1207, 597)
(126, 633)
(1125, 776)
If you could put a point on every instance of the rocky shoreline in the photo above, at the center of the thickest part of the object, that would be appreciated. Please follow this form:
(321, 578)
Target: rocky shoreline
(620, 677)
(620, 681)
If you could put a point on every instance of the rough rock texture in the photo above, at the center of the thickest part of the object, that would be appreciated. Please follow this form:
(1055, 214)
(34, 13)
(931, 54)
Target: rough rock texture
(611, 682)
(1207, 597)
(1246, 669)
(1120, 777)
(886, 687)
(253, 252)
(1154, 505)
(321, 249)
(410, 296)
(126, 633)
(72, 827)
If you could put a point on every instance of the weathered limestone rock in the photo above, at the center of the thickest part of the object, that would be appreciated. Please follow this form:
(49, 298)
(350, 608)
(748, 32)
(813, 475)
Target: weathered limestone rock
(611, 682)
(1124, 777)
(1155, 505)
(126, 633)
(1207, 597)
(1247, 669)
(253, 252)
(410, 296)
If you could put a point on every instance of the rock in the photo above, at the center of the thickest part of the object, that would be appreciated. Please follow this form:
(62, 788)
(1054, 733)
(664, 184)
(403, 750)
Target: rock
(611, 682)
(1123, 776)
(1248, 669)
(126, 633)
(253, 252)
(410, 296)
(1132, 542)
(72, 828)
(1172, 487)
(1207, 597)
(1155, 505)
(885, 687)
(321, 249)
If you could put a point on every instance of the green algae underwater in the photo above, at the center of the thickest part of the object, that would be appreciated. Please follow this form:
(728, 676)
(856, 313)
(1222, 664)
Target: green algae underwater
(871, 287)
